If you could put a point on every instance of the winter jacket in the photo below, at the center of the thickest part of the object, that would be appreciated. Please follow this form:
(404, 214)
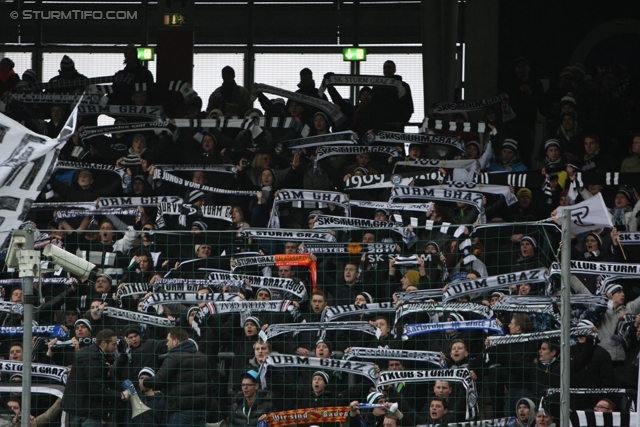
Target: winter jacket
(532, 413)
(243, 415)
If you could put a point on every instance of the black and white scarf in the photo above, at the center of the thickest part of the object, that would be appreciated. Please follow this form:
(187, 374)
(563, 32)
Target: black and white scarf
(419, 295)
(341, 150)
(54, 372)
(453, 375)
(356, 182)
(430, 123)
(617, 268)
(93, 131)
(357, 80)
(336, 115)
(176, 284)
(84, 81)
(334, 312)
(395, 138)
(600, 300)
(451, 107)
(150, 111)
(390, 206)
(468, 197)
(502, 190)
(297, 235)
(92, 166)
(320, 327)
(136, 317)
(280, 284)
(470, 164)
(536, 336)
(46, 330)
(58, 98)
(248, 123)
(307, 199)
(440, 307)
(129, 289)
(73, 213)
(413, 329)
(349, 248)
(222, 213)
(149, 201)
(339, 138)
(368, 370)
(158, 173)
(602, 419)
(231, 169)
(501, 281)
(390, 353)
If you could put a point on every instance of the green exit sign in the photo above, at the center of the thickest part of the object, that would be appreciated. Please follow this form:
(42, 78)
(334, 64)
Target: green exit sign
(175, 19)
(354, 54)
(146, 54)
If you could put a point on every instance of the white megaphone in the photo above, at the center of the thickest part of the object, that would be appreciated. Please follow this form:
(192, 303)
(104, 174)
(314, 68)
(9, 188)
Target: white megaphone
(222, 423)
(137, 407)
(73, 264)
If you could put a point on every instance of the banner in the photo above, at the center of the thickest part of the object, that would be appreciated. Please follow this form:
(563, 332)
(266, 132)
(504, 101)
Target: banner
(388, 137)
(413, 329)
(166, 176)
(54, 372)
(450, 107)
(358, 80)
(340, 150)
(587, 215)
(324, 414)
(27, 161)
(295, 235)
(629, 238)
(501, 281)
(617, 268)
(390, 353)
(280, 284)
(367, 370)
(347, 137)
(336, 115)
(334, 312)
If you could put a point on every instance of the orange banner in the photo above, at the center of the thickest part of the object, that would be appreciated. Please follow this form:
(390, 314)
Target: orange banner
(326, 414)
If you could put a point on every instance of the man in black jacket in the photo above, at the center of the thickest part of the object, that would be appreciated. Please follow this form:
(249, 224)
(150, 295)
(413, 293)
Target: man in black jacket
(183, 379)
(91, 391)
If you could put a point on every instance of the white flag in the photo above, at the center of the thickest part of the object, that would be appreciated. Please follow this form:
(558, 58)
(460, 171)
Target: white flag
(588, 215)
(27, 160)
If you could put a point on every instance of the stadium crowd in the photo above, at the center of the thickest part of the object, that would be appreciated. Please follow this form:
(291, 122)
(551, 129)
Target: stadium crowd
(185, 211)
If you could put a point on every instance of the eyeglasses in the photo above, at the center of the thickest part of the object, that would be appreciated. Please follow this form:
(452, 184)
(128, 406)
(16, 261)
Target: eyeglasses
(248, 385)
(602, 407)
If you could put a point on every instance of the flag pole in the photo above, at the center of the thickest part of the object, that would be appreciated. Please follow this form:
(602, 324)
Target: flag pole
(565, 345)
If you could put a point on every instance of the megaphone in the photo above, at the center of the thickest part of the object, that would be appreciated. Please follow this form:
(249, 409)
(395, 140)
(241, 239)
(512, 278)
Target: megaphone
(137, 407)
(73, 264)
(222, 423)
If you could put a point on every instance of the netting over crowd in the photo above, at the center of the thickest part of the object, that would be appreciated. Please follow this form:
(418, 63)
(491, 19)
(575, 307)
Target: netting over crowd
(253, 264)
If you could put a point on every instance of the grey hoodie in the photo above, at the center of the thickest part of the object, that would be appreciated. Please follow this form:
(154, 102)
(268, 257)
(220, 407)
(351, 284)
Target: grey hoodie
(532, 412)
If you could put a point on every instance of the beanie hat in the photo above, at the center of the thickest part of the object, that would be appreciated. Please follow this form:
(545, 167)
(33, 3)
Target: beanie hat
(496, 294)
(612, 288)
(474, 143)
(323, 114)
(277, 101)
(365, 89)
(364, 171)
(551, 143)
(413, 276)
(85, 322)
(373, 397)
(524, 192)
(511, 144)
(67, 63)
(252, 319)
(625, 192)
(321, 374)
(432, 243)
(367, 297)
(457, 317)
(195, 195)
(329, 344)
(568, 99)
(314, 213)
(598, 239)
(584, 323)
(30, 74)
(386, 212)
(566, 71)
(569, 113)
(530, 240)
(132, 329)
(106, 276)
(148, 371)
(131, 160)
(264, 289)
(200, 224)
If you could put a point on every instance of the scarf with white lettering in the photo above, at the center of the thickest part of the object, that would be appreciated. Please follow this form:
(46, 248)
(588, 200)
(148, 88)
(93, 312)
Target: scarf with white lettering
(280, 284)
(495, 422)
(413, 329)
(136, 317)
(149, 201)
(617, 268)
(429, 123)
(368, 370)
(188, 285)
(502, 190)
(319, 415)
(450, 107)
(73, 213)
(536, 336)
(287, 235)
(468, 197)
(470, 164)
(213, 212)
(129, 289)
(457, 375)
(44, 330)
(337, 116)
(58, 98)
(209, 168)
(120, 170)
(149, 111)
(249, 123)
(158, 173)
(320, 327)
(340, 150)
(93, 131)
(280, 260)
(442, 307)
(326, 221)
(513, 307)
(388, 137)
(356, 182)
(182, 298)
(390, 353)
(54, 372)
(501, 281)
(338, 138)
(334, 312)
(358, 80)
(11, 307)
(350, 248)
(390, 206)
(307, 199)
(419, 295)
(600, 300)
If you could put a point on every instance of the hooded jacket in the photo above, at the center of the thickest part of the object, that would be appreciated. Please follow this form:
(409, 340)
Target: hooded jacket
(532, 413)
